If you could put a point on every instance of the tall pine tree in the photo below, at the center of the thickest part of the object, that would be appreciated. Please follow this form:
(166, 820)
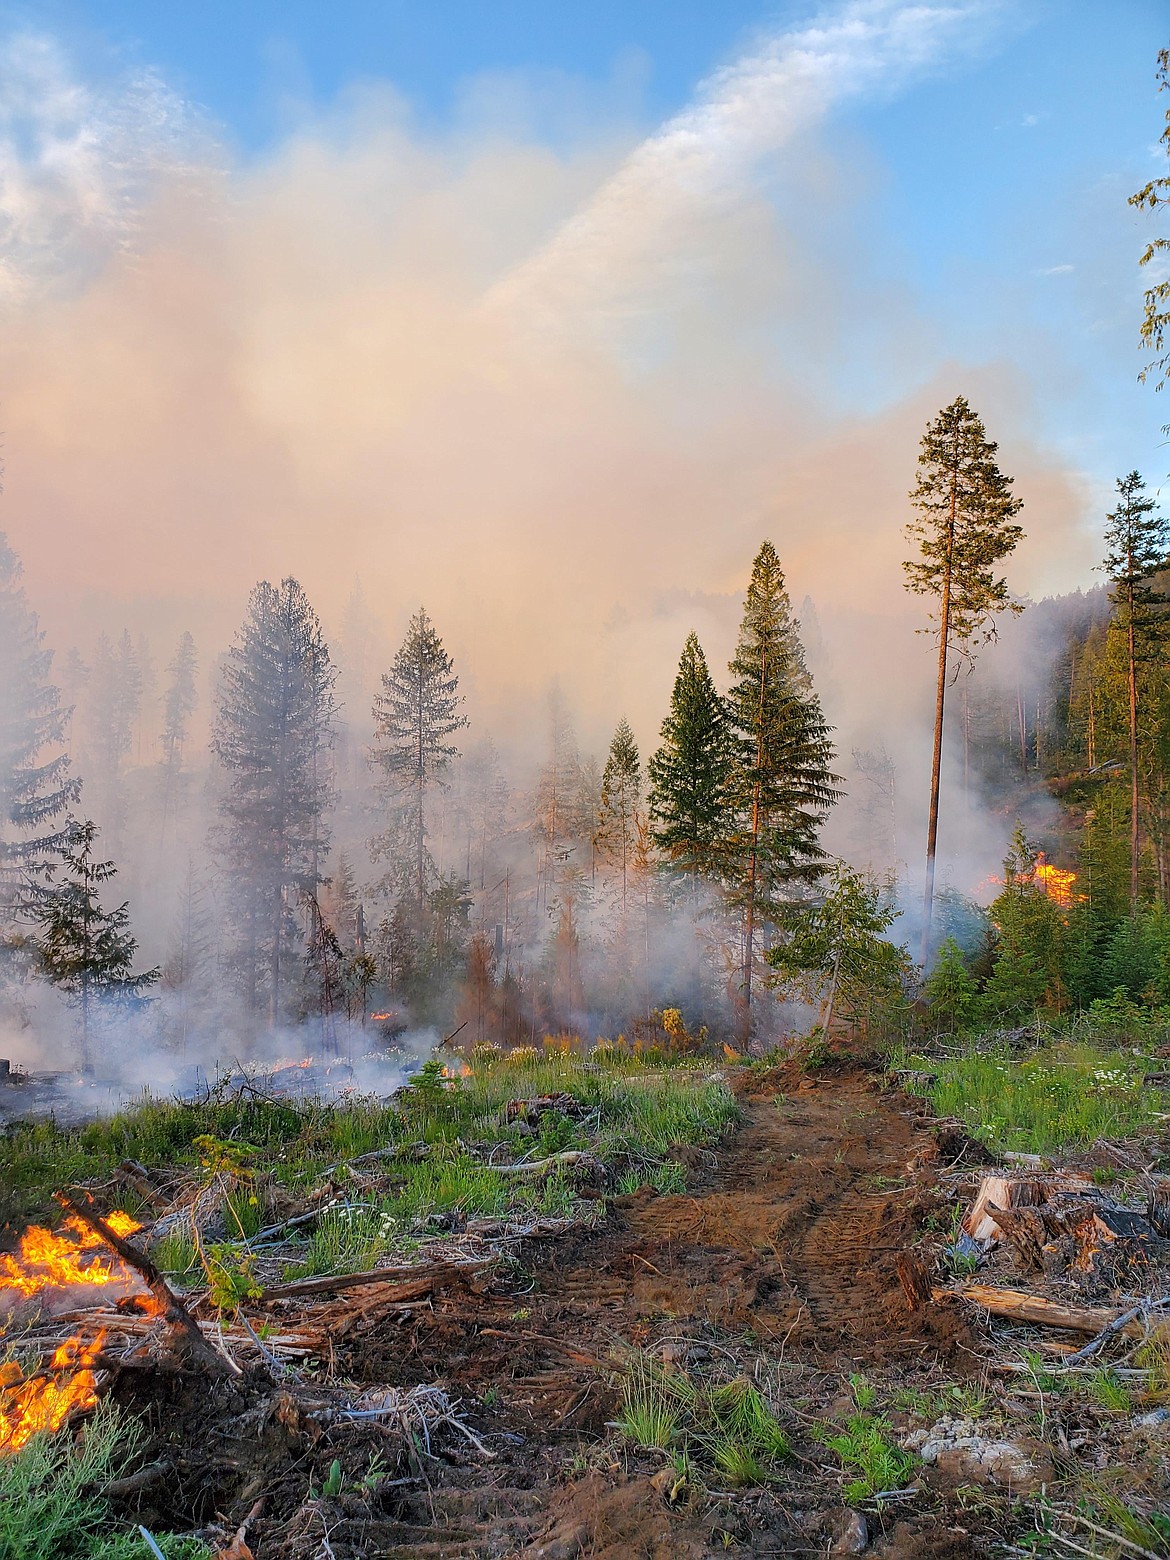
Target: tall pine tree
(36, 788)
(272, 735)
(690, 771)
(963, 528)
(781, 783)
(621, 795)
(415, 716)
(1137, 539)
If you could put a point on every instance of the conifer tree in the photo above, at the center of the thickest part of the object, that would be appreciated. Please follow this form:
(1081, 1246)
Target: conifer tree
(963, 529)
(565, 806)
(272, 735)
(621, 795)
(952, 997)
(84, 948)
(1033, 935)
(835, 951)
(112, 706)
(416, 714)
(690, 771)
(36, 788)
(1156, 310)
(781, 783)
(1137, 538)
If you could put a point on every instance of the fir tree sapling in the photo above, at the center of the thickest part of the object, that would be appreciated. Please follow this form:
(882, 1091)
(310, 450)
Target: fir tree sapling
(84, 948)
(621, 795)
(963, 528)
(951, 995)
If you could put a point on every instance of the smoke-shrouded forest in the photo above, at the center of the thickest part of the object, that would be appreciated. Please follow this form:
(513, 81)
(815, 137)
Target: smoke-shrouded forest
(300, 842)
(585, 782)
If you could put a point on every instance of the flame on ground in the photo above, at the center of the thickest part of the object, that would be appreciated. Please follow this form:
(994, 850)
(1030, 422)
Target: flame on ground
(75, 1254)
(48, 1259)
(44, 1401)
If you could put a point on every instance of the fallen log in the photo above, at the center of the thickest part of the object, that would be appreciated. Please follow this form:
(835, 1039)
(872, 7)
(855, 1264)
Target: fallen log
(182, 1326)
(571, 1156)
(413, 1281)
(1017, 1305)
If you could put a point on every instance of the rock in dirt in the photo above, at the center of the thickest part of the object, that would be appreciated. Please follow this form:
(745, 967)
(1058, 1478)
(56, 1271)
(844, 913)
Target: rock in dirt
(957, 1447)
(850, 1534)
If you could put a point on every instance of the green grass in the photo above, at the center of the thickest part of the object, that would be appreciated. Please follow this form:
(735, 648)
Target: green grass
(1060, 1095)
(867, 1452)
(728, 1426)
(48, 1506)
(632, 1117)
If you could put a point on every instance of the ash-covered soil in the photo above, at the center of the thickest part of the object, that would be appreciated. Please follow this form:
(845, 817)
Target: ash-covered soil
(780, 1264)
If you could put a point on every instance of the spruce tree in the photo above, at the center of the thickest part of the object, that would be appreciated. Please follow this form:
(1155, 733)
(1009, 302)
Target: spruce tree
(963, 529)
(36, 788)
(85, 949)
(689, 773)
(952, 998)
(781, 784)
(272, 734)
(415, 716)
(621, 795)
(1137, 539)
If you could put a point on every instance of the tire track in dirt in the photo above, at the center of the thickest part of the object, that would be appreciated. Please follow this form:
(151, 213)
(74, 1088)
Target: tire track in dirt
(797, 1238)
(794, 1236)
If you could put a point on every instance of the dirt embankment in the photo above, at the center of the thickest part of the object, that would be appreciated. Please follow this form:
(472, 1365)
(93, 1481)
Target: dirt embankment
(790, 1239)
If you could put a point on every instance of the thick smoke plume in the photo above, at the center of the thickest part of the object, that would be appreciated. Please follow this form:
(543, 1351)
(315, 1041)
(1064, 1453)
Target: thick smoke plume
(556, 384)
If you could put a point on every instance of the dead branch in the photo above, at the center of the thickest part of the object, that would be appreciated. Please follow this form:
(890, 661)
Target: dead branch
(135, 1483)
(571, 1156)
(1018, 1306)
(1121, 1323)
(183, 1327)
(413, 1281)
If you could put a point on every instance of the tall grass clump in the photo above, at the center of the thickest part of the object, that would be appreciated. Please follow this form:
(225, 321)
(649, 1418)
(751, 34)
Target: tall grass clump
(49, 1505)
(729, 1425)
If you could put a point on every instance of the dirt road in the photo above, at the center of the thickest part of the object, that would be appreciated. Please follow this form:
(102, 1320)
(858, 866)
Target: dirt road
(789, 1239)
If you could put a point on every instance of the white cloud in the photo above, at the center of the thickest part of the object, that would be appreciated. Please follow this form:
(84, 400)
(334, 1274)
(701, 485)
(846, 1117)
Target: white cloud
(78, 160)
(638, 243)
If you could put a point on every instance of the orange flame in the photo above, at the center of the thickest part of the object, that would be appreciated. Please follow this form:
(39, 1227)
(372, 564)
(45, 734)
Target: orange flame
(44, 1402)
(464, 1071)
(47, 1260)
(1059, 885)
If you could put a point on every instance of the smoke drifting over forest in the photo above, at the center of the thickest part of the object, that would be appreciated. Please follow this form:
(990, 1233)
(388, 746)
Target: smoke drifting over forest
(551, 376)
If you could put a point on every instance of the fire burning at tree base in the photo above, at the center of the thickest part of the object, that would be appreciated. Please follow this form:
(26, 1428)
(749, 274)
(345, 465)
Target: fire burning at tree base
(47, 1263)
